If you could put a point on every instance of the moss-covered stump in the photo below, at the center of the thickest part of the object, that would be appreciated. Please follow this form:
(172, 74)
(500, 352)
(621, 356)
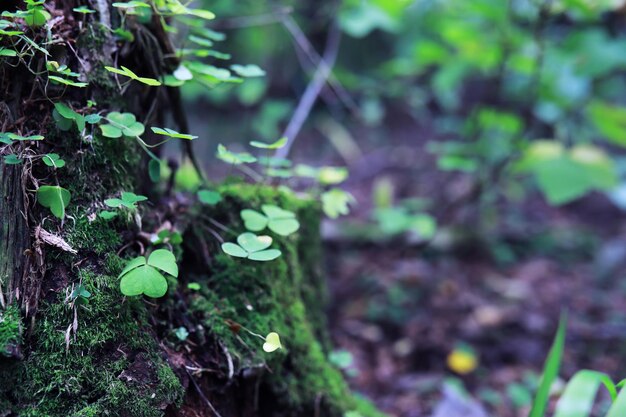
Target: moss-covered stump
(192, 352)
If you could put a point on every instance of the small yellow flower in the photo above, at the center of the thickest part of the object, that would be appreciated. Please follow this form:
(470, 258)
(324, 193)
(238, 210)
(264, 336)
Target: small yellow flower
(462, 360)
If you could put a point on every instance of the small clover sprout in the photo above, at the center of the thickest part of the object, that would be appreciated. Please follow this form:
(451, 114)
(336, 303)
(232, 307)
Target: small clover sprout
(80, 295)
(53, 160)
(172, 237)
(276, 145)
(252, 247)
(141, 276)
(128, 200)
(107, 215)
(128, 73)
(172, 133)
(272, 342)
(55, 198)
(234, 157)
(182, 334)
(209, 197)
(122, 124)
(335, 202)
(279, 221)
(341, 358)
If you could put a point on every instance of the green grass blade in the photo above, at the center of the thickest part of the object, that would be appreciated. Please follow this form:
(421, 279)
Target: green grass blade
(618, 409)
(550, 371)
(580, 393)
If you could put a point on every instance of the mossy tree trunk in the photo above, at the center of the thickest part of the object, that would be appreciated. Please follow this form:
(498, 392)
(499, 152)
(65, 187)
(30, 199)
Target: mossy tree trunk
(189, 353)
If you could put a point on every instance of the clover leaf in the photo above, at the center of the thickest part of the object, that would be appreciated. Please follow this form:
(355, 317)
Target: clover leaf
(279, 221)
(13, 136)
(64, 116)
(248, 71)
(234, 157)
(172, 133)
(12, 159)
(141, 276)
(252, 247)
(83, 10)
(335, 202)
(276, 145)
(55, 198)
(128, 73)
(272, 342)
(128, 200)
(5, 138)
(122, 124)
(53, 160)
(209, 197)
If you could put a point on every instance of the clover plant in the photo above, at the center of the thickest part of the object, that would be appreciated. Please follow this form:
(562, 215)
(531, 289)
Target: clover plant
(279, 221)
(335, 202)
(144, 276)
(252, 247)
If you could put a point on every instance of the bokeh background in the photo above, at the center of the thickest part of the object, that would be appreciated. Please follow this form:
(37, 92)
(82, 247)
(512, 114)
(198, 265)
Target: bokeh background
(484, 143)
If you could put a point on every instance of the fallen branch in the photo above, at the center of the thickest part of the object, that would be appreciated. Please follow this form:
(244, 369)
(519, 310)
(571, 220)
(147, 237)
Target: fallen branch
(312, 91)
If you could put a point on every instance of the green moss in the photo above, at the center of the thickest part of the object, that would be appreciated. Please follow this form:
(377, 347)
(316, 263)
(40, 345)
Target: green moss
(287, 296)
(112, 366)
(95, 235)
(10, 330)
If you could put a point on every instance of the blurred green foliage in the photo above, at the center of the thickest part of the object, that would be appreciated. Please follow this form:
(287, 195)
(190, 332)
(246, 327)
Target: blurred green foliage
(492, 77)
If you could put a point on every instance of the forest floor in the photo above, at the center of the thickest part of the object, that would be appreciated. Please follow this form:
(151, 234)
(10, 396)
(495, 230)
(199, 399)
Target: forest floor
(400, 308)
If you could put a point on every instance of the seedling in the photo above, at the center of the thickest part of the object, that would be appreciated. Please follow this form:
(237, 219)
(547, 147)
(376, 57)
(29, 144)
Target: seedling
(55, 198)
(279, 221)
(141, 276)
(182, 334)
(252, 247)
(272, 342)
(79, 295)
(172, 237)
